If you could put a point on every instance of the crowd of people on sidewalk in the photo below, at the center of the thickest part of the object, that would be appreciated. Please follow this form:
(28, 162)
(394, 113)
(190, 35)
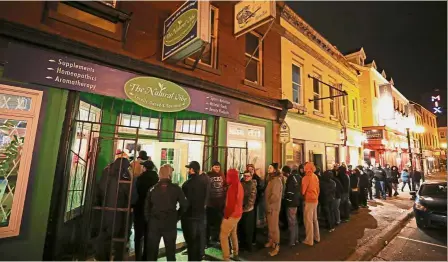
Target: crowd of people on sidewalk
(223, 209)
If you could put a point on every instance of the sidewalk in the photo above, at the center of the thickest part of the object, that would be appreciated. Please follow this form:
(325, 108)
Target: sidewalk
(362, 228)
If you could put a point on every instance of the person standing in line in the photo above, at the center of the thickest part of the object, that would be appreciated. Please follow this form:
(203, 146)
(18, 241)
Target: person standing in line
(326, 197)
(193, 221)
(388, 182)
(232, 215)
(258, 199)
(395, 175)
(380, 179)
(354, 188)
(273, 195)
(370, 175)
(344, 207)
(136, 166)
(292, 197)
(310, 191)
(144, 182)
(245, 226)
(337, 199)
(161, 214)
(405, 179)
(364, 184)
(216, 202)
(301, 174)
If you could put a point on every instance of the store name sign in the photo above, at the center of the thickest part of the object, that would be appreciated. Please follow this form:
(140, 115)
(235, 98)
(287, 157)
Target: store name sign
(436, 100)
(374, 134)
(186, 31)
(252, 14)
(285, 134)
(157, 94)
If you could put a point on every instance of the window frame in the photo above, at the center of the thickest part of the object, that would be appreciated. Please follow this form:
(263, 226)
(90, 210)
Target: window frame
(299, 85)
(214, 48)
(355, 111)
(318, 95)
(259, 60)
(32, 118)
(332, 101)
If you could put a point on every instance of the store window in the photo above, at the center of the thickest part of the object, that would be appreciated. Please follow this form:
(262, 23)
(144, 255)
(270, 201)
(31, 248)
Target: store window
(317, 94)
(331, 156)
(209, 56)
(19, 115)
(87, 129)
(147, 125)
(242, 135)
(254, 48)
(296, 84)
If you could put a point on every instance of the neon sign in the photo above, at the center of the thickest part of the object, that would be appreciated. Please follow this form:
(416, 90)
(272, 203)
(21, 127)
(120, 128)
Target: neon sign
(437, 109)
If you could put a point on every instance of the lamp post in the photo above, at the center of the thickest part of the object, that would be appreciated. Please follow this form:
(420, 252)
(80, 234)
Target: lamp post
(408, 135)
(420, 130)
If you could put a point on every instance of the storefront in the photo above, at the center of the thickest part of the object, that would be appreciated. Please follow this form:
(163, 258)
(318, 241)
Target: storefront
(75, 115)
(312, 141)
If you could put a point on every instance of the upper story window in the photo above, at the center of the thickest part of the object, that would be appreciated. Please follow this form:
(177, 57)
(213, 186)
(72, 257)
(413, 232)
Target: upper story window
(375, 89)
(317, 93)
(332, 101)
(344, 108)
(355, 112)
(209, 56)
(442, 134)
(297, 91)
(255, 67)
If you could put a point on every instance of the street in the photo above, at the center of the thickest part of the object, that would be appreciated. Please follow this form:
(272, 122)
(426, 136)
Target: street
(414, 244)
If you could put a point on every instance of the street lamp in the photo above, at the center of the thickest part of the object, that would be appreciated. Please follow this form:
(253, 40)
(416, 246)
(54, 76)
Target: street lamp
(420, 130)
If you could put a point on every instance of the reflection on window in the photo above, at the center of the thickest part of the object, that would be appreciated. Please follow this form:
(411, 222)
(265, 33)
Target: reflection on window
(14, 102)
(130, 124)
(191, 126)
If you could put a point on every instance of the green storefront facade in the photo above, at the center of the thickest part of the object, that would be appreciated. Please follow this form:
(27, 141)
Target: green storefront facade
(79, 132)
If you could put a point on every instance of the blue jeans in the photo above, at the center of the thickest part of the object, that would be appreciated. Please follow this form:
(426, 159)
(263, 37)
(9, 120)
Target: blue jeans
(344, 206)
(337, 212)
(194, 234)
(382, 189)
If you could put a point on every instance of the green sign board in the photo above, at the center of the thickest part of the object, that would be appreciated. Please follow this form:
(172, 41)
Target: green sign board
(157, 94)
(181, 27)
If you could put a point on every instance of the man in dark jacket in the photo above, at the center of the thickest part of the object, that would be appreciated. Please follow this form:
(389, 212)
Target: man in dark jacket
(216, 202)
(364, 184)
(380, 179)
(345, 202)
(296, 172)
(292, 197)
(370, 175)
(388, 182)
(354, 188)
(326, 197)
(260, 195)
(337, 199)
(245, 225)
(193, 221)
(110, 193)
(162, 216)
(144, 183)
(416, 177)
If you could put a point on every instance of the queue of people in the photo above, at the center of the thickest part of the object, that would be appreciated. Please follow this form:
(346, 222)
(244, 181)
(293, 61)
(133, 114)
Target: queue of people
(217, 208)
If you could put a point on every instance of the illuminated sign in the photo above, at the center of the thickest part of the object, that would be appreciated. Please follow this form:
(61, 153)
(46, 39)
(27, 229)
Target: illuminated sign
(436, 100)
(374, 134)
(252, 14)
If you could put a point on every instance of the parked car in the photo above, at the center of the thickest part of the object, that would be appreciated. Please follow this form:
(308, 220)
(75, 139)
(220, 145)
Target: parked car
(431, 204)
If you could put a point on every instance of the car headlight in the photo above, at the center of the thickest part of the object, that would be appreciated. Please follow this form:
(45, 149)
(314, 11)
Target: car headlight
(419, 206)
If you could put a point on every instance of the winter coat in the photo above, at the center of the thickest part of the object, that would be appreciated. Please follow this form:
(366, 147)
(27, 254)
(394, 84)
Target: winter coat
(354, 180)
(250, 194)
(310, 185)
(234, 196)
(217, 190)
(395, 174)
(416, 176)
(379, 174)
(405, 176)
(344, 179)
(364, 180)
(339, 189)
(327, 189)
(161, 202)
(260, 187)
(144, 183)
(196, 191)
(388, 172)
(273, 194)
(292, 192)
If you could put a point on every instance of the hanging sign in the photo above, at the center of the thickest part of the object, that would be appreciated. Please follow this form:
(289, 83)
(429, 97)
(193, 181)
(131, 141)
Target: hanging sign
(437, 109)
(285, 134)
(157, 94)
(252, 14)
(186, 30)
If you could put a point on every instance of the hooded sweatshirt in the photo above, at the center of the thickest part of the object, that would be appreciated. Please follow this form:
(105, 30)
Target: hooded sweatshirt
(235, 195)
(310, 184)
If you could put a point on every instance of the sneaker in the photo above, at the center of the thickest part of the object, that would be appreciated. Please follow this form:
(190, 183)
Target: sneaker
(269, 244)
(236, 258)
(331, 230)
(275, 251)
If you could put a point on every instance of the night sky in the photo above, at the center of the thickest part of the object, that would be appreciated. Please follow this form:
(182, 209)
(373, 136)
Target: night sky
(406, 39)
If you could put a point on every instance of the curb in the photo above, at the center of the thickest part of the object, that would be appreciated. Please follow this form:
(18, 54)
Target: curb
(368, 251)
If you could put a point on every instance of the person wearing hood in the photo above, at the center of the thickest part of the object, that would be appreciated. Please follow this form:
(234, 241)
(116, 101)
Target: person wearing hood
(144, 182)
(216, 202)
(246, 226)
(344, 207)
(110, 193)
(337, 199)
(162, 214)
(395, 176)
(292, 197)
(273, 196)
(326, 197)
(310, 191)
(364, 183)
(232, 214)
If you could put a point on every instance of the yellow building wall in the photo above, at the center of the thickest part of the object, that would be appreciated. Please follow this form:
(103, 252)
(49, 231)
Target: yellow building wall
(292, 54)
